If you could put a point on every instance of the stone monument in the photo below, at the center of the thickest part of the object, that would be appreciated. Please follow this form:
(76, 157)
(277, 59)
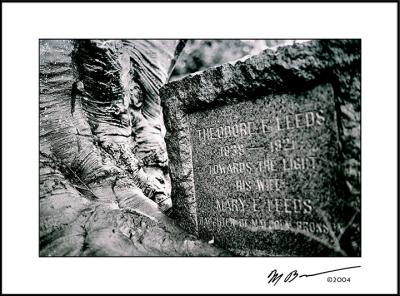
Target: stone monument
(265, 152)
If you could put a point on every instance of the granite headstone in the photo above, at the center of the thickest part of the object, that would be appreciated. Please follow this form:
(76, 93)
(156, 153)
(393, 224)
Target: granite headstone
(265, 153)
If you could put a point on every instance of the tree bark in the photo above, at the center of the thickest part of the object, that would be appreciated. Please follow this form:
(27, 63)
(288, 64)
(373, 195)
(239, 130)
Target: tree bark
(104, 183)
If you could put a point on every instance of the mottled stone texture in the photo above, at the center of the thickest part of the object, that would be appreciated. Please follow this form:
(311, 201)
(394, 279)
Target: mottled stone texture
(307, 208)
(104, 181)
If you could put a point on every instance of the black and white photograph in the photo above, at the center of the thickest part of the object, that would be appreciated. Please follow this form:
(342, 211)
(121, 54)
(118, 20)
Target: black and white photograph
(200, 148)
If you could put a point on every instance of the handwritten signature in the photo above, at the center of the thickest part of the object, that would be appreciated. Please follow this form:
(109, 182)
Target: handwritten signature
(274, 277)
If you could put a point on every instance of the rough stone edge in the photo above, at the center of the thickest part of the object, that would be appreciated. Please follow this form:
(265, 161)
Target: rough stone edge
(180, 152)
(290, 67)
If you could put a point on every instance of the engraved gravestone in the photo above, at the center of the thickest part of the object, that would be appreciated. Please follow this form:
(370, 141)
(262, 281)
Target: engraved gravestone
(260, 157)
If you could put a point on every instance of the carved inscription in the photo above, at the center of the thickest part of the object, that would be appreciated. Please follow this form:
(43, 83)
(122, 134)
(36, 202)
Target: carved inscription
(265, 164)
(250, 128)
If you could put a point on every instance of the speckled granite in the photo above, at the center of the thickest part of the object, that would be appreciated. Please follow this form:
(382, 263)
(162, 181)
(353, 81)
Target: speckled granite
(265, 153)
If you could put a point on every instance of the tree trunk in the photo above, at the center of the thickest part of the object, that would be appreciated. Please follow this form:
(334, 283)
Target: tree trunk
(104, 184)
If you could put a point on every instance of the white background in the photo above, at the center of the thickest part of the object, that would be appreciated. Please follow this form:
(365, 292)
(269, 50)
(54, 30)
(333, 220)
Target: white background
(24, 24)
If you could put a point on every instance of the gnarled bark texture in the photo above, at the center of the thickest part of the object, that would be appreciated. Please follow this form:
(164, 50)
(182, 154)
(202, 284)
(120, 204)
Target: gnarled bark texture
(104, 184)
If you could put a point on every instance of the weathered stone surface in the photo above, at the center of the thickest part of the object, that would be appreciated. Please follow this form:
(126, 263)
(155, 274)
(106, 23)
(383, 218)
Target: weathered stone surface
(265, 153)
